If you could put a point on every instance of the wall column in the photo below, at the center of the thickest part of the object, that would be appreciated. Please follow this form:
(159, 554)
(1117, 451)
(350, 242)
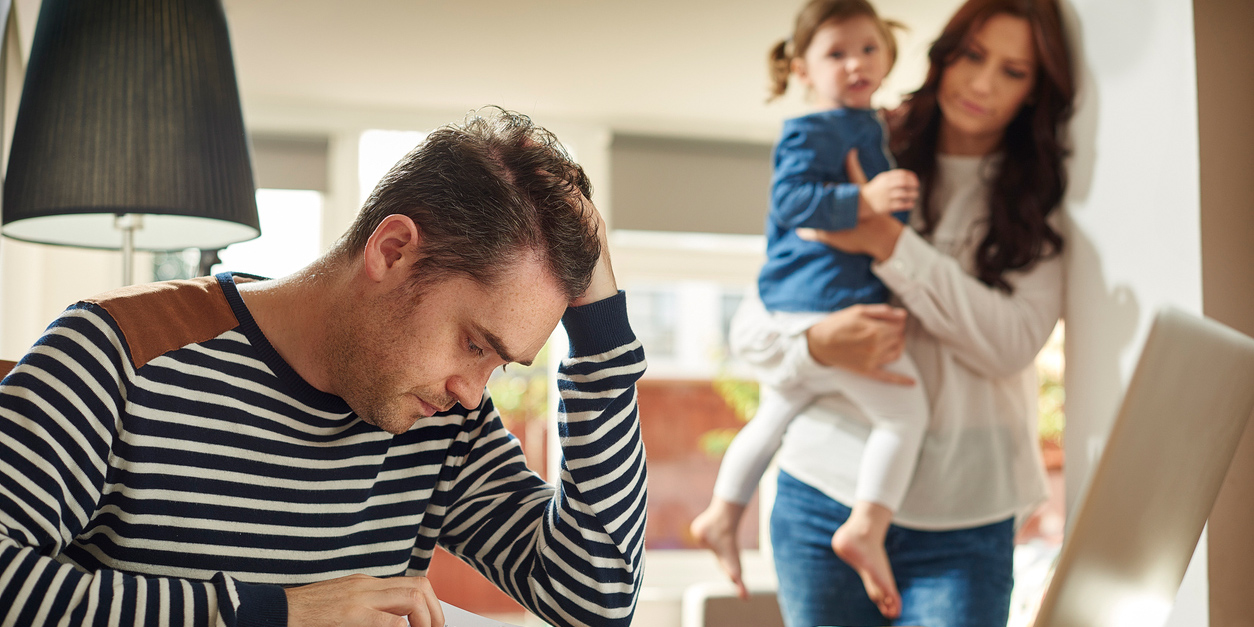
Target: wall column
(1225, 94)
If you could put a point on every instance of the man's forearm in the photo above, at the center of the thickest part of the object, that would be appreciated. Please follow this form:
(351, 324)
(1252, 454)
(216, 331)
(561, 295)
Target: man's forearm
(45, 591)
(603, 479)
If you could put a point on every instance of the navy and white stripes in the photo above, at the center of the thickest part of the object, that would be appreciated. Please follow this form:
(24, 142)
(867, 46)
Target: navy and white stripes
(188, 487)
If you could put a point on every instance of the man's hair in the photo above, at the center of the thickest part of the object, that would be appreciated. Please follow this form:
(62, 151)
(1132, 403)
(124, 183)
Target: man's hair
(485, 194)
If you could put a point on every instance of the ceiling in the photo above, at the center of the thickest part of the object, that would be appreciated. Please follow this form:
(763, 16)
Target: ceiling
(684, 66)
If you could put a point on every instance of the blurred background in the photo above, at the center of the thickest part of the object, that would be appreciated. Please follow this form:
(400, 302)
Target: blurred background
(664, 104)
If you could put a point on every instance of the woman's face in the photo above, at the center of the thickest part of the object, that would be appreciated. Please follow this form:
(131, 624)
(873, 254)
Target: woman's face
(983, 89)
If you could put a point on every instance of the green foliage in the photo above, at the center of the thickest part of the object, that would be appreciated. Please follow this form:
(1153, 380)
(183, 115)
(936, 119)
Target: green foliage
(521, 393)
(1051, 418)
(715, 441)
(742, 397)
(1050, 365)
(739, 394)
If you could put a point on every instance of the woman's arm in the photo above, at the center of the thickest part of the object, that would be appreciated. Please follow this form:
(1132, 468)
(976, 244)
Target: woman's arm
(860, 338)
(992, 332)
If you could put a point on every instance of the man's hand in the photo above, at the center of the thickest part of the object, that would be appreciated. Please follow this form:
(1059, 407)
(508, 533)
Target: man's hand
(603, 285)
(861, 338)
(363, 601)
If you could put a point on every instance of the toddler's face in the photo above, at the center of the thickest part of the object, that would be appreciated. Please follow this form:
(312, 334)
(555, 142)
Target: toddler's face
(845, 63)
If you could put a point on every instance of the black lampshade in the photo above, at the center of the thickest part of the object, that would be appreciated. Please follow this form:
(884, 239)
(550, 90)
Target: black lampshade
(130, 107)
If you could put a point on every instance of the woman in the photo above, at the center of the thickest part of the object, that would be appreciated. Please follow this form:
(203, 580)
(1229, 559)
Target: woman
(980, 274)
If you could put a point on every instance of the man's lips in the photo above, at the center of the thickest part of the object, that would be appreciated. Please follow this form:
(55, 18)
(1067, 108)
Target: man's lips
(427, 408)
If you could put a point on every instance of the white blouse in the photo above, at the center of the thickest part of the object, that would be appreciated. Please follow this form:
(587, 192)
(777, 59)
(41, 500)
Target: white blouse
(975, 348)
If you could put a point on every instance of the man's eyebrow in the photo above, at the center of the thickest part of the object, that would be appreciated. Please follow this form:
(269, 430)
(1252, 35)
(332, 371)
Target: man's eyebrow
(499, 346)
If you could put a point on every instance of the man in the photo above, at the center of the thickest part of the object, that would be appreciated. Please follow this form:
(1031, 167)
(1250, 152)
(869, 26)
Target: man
(233, 451)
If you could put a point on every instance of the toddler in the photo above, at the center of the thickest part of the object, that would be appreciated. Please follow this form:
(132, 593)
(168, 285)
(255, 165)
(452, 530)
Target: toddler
(841, 50)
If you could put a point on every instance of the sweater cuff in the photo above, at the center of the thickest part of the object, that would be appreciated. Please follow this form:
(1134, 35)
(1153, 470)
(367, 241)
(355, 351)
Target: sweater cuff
(261, 605)
(598, 327)
(844, 209)
(911, 259)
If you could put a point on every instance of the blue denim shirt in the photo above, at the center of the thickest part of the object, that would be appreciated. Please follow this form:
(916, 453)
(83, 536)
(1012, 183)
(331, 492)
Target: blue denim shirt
(810, 188)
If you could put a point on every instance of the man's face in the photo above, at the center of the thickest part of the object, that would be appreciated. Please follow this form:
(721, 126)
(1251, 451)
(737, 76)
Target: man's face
(402, 356)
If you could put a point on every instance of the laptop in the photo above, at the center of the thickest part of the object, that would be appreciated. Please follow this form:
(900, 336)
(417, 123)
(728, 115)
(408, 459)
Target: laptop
(1168, 451)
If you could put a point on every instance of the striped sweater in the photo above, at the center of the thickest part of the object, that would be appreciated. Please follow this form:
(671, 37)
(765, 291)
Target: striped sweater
(160, 464)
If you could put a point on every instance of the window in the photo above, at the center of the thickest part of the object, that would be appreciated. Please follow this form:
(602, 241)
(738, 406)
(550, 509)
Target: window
(291, 232)
(291, 173)
(653, 315)
(682, 289)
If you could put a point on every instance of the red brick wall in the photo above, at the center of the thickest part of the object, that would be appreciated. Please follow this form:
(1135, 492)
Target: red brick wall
(673, 417)
(455, 582)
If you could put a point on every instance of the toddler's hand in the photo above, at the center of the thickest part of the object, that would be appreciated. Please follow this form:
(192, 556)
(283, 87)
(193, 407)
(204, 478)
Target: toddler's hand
(889, 192)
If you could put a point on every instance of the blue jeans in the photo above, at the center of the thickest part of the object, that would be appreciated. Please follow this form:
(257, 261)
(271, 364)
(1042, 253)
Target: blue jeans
(959, 578)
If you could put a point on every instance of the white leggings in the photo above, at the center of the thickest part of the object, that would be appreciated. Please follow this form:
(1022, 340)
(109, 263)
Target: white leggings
(898, 415)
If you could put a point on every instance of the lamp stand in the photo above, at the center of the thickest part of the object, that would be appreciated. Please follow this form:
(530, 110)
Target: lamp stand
(128, 223)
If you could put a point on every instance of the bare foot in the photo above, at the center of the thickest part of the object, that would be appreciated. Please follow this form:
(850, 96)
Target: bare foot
(715, 529)
(860, 543)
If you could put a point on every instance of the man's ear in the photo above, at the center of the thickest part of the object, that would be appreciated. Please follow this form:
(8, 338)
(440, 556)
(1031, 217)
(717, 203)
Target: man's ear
(393, 246)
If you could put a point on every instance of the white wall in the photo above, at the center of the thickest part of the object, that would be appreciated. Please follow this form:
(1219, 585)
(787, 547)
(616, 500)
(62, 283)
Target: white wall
(38, 280)
(1134, 241)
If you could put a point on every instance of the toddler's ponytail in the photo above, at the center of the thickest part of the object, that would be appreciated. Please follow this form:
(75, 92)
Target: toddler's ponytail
(779, 67)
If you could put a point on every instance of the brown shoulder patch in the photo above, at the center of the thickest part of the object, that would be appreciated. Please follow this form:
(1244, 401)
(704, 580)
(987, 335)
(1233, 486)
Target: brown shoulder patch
(157, 318)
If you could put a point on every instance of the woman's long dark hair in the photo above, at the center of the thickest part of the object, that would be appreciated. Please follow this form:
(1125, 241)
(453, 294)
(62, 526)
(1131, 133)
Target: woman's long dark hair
(1030, 182)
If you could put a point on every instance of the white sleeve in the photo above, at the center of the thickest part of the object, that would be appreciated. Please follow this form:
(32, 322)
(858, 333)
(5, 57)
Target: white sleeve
(994, 333)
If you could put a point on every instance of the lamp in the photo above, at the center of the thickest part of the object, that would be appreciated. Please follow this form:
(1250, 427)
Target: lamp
(129, 134)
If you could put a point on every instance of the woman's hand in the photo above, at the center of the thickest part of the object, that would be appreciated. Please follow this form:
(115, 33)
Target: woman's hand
(862, 339)
(875, 234)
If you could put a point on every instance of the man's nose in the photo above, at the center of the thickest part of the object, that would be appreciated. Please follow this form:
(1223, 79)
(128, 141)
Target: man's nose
(467, 388)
